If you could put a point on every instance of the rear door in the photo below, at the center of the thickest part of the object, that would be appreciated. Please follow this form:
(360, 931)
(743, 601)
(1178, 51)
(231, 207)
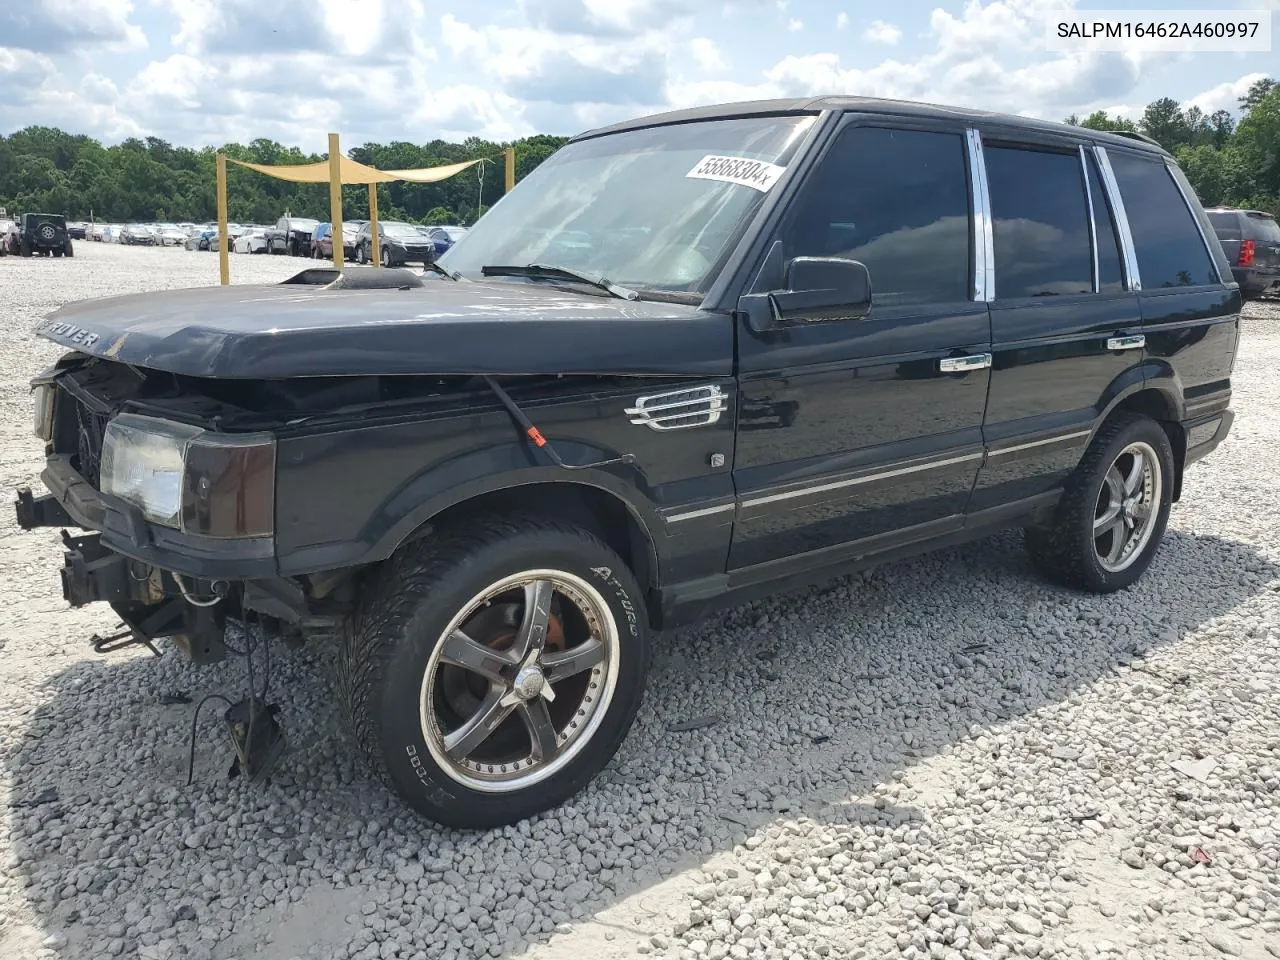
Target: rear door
(1065, 326)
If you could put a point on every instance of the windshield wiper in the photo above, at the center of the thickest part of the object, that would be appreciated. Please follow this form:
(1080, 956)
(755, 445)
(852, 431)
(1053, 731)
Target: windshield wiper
(436, 268)
(543, 271)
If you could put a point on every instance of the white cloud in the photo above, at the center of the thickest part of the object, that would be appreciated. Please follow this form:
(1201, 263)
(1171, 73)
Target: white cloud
(795, 26)
(842, 20)
(881, 32)
(57, 26)
(707, 55)
(1225, 96)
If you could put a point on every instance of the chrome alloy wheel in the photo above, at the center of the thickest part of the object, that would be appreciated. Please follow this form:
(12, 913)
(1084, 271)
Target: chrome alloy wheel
(519, 681)
(1128, 504)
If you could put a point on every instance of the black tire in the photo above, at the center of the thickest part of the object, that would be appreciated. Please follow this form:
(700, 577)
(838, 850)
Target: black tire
(386, 257)
(24, 248)
(401, 620)
(70, 251)
(56, 252)
(1064, 549)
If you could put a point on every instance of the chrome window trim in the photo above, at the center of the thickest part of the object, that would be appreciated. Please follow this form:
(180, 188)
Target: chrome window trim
(1177, 182)
(1133, 279)
(1093, 228)
(984, 257)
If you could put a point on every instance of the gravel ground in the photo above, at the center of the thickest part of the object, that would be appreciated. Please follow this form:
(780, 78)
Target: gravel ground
(940, 759)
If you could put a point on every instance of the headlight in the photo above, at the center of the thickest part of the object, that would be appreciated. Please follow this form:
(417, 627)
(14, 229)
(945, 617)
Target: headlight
(179, 476)
(44, 394)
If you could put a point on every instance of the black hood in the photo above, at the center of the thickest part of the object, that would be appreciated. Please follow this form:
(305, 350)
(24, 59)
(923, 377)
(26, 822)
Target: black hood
(441, 327)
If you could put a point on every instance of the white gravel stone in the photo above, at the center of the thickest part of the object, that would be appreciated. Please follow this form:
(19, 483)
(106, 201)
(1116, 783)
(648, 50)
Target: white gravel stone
(941, 758)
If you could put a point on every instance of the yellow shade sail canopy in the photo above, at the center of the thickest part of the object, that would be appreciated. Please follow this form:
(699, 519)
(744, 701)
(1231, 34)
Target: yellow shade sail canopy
(353, 172)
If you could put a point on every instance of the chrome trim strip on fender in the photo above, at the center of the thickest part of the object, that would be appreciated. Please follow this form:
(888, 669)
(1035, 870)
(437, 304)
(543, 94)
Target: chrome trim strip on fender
(855, 481)
(703, 512)
(1039, 443)
(1132, 276)
(984, 256)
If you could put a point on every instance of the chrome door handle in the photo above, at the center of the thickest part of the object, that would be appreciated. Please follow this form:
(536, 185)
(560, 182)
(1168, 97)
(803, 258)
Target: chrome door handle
(1135, 342)
(976, 361)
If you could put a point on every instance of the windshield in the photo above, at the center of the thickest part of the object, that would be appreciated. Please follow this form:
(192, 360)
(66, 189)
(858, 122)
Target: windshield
(653, 209)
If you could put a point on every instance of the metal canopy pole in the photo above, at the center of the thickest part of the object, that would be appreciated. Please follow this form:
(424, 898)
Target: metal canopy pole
(375, 250)
(335, 199)
(224, 265)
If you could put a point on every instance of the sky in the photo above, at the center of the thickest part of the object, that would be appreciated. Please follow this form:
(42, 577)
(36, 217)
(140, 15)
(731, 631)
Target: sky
(202, 72)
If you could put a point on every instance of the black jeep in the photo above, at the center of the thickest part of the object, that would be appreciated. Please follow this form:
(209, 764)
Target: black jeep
(690, 358)
(43, 233)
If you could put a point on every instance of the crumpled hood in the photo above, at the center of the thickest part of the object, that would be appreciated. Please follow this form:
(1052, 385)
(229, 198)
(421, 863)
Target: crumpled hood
(494, 327)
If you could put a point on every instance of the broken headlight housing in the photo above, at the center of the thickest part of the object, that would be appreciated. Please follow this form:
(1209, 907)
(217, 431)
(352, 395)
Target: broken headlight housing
(189, 479)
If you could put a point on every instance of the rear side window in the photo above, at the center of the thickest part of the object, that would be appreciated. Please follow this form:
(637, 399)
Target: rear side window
(1226, 225)
(1110, 278)
(1041, 223)
(1262, 228)
(896, 200)
(1165, 236)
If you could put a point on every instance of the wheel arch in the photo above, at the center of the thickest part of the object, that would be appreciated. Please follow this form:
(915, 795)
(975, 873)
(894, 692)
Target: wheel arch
(1156, 394)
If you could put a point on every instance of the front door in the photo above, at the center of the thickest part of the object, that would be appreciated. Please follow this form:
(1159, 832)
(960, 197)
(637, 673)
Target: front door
(856, 435)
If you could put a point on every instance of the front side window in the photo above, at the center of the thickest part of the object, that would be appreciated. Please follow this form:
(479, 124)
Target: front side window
(1040, 220)
(897, 201)
(652, 209)
(1166, 239)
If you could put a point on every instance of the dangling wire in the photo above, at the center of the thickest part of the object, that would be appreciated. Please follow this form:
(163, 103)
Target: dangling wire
(480, 193)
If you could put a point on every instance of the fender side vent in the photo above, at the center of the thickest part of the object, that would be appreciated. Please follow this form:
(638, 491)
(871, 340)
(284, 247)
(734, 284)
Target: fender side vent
(679, 409)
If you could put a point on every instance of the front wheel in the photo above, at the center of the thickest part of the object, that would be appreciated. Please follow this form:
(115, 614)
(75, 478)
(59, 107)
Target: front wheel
(386, 257)
(1108, 525)
(492, 671)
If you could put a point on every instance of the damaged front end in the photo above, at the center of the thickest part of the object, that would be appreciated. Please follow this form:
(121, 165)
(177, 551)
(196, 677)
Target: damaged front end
(178, 515)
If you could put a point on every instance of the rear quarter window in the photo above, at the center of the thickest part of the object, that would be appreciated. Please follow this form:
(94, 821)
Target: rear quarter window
(1170, 250)
(1262, 228)
(1226, 225)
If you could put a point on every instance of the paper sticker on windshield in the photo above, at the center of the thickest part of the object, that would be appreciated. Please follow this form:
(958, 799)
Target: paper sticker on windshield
(757, 174)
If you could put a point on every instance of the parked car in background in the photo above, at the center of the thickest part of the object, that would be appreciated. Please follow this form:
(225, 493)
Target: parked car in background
(77, 230)
(111, 233)
(251, 241)
(137, 234)
(322, 239)
(95, 232)
(171, 235)
(291, 235)
(43, 234)
(440, 238)
(400, 243)
(8, 237)
(205, 239)
(1251, 241)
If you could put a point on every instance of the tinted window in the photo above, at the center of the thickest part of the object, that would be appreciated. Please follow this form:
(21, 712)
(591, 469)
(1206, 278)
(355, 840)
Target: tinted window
(1263, 228)
(898, 201)
(1110, 279)
(1226, 225)
(1165, 236)
(1041, 223)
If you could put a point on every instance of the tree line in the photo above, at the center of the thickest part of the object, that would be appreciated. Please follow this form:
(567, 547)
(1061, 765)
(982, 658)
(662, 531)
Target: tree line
(142, 180)
(1229, 162)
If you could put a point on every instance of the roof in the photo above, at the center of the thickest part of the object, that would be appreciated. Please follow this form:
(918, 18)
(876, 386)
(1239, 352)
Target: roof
(1245, 210)
(907, 108)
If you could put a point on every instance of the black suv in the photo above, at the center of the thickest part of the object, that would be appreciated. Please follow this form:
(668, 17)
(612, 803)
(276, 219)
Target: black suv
(690, 358)
(1251, 241)
(43, 233)
(399, 243)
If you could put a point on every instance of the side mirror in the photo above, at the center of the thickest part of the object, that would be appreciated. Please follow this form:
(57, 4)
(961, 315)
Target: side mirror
(821, 289)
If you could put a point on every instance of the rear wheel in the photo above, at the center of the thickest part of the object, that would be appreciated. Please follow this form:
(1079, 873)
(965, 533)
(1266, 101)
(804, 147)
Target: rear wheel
(494, 670)
(1106, 529)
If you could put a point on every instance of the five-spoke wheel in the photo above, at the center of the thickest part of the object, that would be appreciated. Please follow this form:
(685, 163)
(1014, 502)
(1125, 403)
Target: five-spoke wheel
(1114, 507)
(495, 667)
